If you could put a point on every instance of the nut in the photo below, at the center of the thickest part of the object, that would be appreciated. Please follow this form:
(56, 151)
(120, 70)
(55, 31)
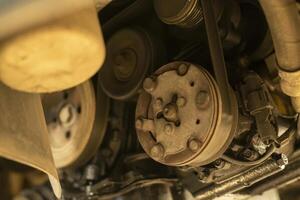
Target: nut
(149, 85)
(157, 151)
(194, 144)
(182, 69)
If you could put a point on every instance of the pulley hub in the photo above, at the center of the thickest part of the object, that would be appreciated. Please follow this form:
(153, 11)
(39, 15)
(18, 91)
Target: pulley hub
(179, 116)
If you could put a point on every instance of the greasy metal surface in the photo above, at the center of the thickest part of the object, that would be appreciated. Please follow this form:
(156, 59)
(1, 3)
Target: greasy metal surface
(23, 133)
(179, 117)
(74, 142)
(243, 180)
(289, 175)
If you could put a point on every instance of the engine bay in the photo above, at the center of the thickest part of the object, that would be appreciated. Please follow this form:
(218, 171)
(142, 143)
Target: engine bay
(196, 99)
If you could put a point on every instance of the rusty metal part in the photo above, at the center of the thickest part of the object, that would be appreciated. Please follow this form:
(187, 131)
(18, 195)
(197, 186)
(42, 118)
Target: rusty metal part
(289, 175)
(52, 48)
(284, 22)
(245, 179)
(70, 117)
(179, 116)
(131, 54)
(23, 133)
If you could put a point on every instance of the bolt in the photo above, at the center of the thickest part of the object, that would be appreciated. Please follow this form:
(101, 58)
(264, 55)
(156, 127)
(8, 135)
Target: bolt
(158, 103)
(168, 129)
(67, 115)
(170, 111)
(248, 154)
(139, 124)
(182, 69)
(180, 102)
(149, 85)
(202, 99)
(157, 151)
(219, 164)
(194, 144)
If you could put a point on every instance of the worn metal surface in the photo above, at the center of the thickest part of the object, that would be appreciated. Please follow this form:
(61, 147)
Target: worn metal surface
(243, 180)
(23, 133)
(179, 116)
(70, 117)
(289, 175)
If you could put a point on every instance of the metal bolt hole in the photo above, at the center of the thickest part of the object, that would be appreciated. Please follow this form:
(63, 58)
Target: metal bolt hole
(68, 134)
(79, 109)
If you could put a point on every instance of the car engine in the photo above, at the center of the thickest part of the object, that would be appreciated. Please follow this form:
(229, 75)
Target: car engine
(195, 99)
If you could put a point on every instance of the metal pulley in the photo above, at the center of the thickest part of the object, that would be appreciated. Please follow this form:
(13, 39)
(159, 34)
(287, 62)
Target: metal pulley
(179, 117)
(75, 128)
(131, 54)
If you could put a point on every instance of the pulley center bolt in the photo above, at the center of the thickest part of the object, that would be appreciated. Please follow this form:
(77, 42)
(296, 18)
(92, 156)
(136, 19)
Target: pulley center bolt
(170, 111)
(67, 115)
(125, 63)
(202, 99)
(149, 85)
(194, 144)
(157, 151)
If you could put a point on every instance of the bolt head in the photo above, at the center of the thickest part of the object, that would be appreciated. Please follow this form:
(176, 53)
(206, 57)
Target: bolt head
(139, 124)
(202, 99)
(170, 111)
(194, 144)
(157, 151)
(182, 69)
(180, 102)
(219, 164)
(247, 153)
(149, 85)
(67, 115)
(168, 129)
